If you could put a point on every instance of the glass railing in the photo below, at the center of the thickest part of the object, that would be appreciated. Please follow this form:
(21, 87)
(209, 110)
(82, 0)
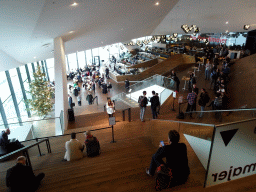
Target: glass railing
(154, 80)
(35, 128)
(220, 116)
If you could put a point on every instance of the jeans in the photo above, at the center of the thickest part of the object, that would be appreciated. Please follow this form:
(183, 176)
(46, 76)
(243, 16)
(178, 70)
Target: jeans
(202, 109)
(207, 74)
(142, 113)
(153, 165)
(154, 113)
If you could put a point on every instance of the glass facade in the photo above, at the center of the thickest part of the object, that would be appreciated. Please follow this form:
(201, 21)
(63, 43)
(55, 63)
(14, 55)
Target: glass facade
(13, 105)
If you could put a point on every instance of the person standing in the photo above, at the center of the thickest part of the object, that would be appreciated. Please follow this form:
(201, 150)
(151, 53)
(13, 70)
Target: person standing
(127, 84)
(79, 100)
(89, 98)
(93, 87)
(154, 103)
(70, 101)
(107, 72)
(203, 100)
(207, 70)
(110, 107)
(191, 99)
(143, 101)
(21, 177)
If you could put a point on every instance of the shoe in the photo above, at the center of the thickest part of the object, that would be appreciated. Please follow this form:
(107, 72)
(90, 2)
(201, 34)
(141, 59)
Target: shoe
(147, 172)
(143, 121)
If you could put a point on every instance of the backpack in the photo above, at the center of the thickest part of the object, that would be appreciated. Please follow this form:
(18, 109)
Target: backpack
(92, 147)
(142, 101)
(163, 177)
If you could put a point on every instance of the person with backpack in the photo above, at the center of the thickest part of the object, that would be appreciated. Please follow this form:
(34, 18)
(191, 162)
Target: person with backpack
(203, 100)
(176, 162)
(143, 101)
(92, 144)
(89, 98)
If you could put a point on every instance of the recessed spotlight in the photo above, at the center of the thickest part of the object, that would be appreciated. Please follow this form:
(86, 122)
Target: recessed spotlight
(74, 4)
(71, 32)
(157, 3)
(34, 57)
(227, 22)
(246, 27)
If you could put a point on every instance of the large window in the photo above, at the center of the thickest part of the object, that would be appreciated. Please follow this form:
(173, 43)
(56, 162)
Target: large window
(5, 93)
(72, 61)
(81, 59)
(16, 84)
(50, 67)
(10, 110)
(31, 73)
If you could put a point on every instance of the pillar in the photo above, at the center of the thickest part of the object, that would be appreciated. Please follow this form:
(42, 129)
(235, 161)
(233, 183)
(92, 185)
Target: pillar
(61, 94)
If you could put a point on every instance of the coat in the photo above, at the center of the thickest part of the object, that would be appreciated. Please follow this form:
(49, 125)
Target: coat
(21, 178)
(73, 150)
(176, 160)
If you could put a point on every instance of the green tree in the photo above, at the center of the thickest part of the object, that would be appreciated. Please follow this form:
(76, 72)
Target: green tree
(41, 93)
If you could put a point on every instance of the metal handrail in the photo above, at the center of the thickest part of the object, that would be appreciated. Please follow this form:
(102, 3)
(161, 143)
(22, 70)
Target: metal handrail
(25, 151)
(225, 110)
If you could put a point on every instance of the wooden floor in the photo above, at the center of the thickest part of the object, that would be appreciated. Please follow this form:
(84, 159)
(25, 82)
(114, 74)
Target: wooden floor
(121, 165)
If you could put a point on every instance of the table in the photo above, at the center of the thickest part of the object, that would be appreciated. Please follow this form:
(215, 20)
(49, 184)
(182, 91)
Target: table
(184, 78)
(195, 68)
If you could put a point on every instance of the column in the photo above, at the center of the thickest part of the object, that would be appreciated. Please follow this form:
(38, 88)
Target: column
(61, 92)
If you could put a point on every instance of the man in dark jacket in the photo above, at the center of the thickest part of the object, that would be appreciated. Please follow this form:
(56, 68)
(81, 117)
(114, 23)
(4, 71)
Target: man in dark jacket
(21, 177)
(154, 103)
(89, 98)
(127, 84)
(176, 158)
(203, 100)
(8, 145)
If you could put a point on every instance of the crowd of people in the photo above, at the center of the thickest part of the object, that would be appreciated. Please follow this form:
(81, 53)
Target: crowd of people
(87, 79)
(217, 70)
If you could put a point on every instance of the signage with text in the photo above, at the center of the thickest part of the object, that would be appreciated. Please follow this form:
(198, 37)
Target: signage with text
(233, 153)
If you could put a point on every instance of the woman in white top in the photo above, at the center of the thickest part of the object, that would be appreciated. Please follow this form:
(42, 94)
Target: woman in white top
(110, 107)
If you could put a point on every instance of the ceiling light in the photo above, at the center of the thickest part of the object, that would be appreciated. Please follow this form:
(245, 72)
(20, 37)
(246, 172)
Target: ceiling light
(71, 32)
(226, 31)
(227, 22)
(34, 57)
(157, 3)
(74, 4)
(246, 27)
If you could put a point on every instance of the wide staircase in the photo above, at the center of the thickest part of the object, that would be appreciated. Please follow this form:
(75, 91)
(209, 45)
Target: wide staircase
(121, 165)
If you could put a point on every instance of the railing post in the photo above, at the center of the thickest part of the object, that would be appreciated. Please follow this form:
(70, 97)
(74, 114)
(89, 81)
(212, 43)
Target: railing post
(123, 115)
(39, 150)
(129, 115)
(28, 162)
(113, 139)
(48, 146)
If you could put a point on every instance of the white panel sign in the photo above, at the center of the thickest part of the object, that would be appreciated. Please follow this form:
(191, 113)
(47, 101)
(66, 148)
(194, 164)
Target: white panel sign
(233, 153)
(112, 120)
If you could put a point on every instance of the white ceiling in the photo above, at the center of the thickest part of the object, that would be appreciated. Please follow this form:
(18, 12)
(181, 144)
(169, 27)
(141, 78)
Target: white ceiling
(27, 25)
